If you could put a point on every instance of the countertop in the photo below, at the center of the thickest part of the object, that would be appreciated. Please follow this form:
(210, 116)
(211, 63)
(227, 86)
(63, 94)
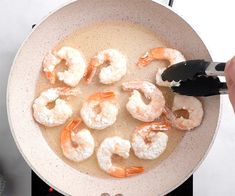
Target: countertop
(212, 20)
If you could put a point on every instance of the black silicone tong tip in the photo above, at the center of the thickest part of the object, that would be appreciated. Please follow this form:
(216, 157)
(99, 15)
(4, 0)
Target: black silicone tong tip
(200, 86)
(186, 70)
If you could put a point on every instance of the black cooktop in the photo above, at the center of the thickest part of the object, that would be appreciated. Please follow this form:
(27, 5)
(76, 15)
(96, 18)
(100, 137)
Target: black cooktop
(40, 188)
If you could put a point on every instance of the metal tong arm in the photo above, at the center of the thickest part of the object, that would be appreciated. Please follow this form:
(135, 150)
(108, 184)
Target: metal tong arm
(215, 69)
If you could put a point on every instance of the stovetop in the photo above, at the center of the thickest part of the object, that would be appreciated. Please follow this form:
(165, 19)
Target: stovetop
(40, 188)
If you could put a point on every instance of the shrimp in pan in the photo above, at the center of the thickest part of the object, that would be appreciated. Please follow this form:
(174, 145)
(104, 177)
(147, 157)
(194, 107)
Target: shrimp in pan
(121, 147)
(194, 108)
(116, 69)
(59, 113)
(148, 140)
(136, 106)
(99, 112)
(74, 61)
(77, 145)
(172, 55)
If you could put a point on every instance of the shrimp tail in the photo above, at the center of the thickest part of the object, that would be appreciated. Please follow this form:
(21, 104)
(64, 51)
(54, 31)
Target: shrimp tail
(66, 132)
(154, 126)
(66, 91)
(148, 57)
(161, 126)
(144, 60)
(131, 171)
(169, 115)
(126, 172)
(73, 124)
(101, 95)
(91, 70)
(130, 86)
(50, 76)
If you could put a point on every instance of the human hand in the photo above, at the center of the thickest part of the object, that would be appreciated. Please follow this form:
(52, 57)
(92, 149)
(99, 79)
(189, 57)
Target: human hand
(230, 80)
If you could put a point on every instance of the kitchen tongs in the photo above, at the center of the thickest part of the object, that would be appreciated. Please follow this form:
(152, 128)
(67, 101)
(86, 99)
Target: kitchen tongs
(196, 78)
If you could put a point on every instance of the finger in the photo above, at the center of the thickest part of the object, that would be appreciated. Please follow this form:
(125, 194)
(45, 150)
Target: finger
(230, 72)
(227, 77)
(232, 95)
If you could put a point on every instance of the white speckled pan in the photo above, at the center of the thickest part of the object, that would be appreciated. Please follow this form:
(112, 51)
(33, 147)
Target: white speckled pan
(21, 90)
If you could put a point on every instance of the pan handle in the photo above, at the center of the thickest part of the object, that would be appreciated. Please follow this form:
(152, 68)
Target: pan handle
(170, 3)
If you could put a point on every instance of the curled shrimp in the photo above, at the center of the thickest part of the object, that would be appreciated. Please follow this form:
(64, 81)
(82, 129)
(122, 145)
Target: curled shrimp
(98, 112)
(136, 106)
(116, 69)
(74, 61)
(59, 113)
(194, 108)
(172, 55)
(121, 147)
(77, 145)
(147, 143)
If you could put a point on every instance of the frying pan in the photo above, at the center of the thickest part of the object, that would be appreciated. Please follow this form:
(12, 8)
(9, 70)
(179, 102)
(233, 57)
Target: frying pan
(163, 178)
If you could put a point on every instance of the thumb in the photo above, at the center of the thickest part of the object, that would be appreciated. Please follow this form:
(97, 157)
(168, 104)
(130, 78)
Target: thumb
(230, 80)
(232, 95)
(230, 72)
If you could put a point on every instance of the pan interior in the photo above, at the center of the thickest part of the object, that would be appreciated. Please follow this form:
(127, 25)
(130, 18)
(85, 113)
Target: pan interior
(126, 37)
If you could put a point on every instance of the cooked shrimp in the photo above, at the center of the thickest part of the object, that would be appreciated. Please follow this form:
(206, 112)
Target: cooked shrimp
(74, 61)
(147, 143)
(98, 112)
(61, 111)
(121, 147)
(194, 108)
(136, 106)
(77, 145)
(116, 69)
(172, 55)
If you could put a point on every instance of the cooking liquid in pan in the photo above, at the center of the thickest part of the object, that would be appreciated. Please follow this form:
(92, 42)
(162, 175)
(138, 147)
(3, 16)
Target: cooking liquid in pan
(133, 41)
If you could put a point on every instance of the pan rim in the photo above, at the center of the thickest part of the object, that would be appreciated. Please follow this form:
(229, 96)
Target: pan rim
(8, 95)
